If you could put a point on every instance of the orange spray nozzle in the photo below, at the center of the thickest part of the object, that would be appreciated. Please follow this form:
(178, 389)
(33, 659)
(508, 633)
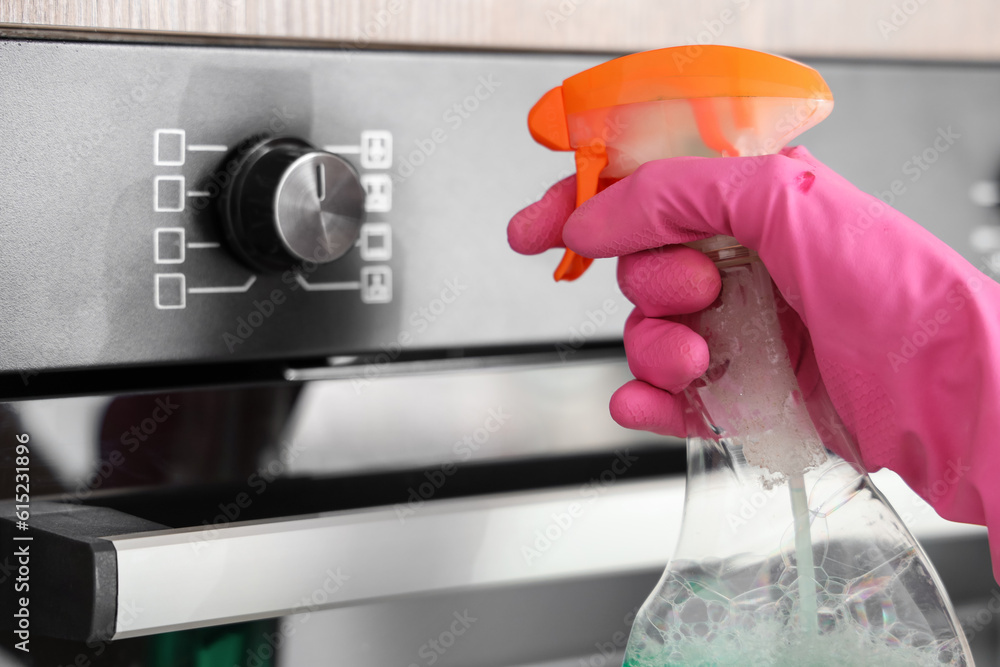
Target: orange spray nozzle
(725, 101)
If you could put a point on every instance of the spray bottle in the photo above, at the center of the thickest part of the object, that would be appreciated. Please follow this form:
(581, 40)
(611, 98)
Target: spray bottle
(788, 554)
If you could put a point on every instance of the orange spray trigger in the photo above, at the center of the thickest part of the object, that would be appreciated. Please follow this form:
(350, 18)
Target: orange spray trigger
(726, 101)
(572, 266)
(548, 125)
(590, 162)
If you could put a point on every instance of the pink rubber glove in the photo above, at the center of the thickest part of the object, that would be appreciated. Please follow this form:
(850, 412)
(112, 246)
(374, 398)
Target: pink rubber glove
(906, 332)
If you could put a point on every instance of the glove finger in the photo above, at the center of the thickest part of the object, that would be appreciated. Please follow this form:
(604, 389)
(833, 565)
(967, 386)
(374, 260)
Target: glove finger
(684, 199)
(538, 227)
(662, 353)
(672, 280)
(640, 406)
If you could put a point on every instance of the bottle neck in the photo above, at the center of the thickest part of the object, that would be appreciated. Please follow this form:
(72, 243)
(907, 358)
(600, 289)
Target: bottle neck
(725, 251)
(759, 420)
(762, 397)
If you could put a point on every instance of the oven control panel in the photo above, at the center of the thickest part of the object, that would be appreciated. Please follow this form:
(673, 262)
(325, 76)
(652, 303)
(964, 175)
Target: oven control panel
(180, 204)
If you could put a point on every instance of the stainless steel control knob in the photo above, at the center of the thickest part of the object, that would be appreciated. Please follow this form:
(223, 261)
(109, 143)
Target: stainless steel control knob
(289, 204)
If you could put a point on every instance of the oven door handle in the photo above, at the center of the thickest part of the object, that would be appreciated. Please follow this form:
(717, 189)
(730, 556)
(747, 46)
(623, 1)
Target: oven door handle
(140, 578)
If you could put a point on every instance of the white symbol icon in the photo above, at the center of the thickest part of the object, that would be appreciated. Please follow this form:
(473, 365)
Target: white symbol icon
(327, 287)
(375, 242)
(168, 245)
(378, 192)
(342, 149)
(168, 194)
(170, 293)
(376, 149)
(376, 284)
(168, 148)
(207, 148)
(228, 289)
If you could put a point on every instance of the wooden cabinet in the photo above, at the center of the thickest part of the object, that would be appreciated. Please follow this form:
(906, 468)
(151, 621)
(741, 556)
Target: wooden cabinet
(913, 29)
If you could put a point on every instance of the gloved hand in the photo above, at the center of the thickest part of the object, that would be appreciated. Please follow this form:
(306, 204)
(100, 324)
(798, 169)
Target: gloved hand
(906, 332)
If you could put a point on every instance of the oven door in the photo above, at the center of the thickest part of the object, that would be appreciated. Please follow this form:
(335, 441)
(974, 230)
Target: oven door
(307, 542)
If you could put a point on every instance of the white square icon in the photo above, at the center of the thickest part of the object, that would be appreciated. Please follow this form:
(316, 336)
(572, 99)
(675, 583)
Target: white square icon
(168, 245)
(378, 192)
(375, 243)
(168, 194)
(376, 284)
(376, 149)
(168, 148)
(170, 291)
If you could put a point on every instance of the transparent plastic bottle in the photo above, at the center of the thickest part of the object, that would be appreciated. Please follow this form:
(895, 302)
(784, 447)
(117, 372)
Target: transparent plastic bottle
(788, 554)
